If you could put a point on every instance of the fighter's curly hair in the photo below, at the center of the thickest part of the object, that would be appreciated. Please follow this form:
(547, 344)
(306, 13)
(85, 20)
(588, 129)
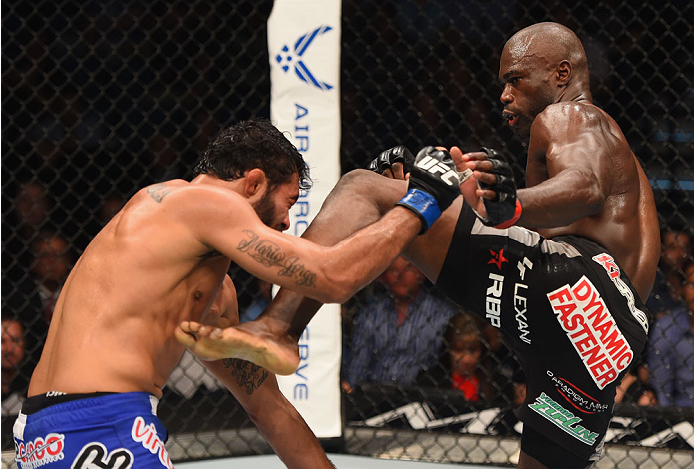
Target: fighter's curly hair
(254, 143)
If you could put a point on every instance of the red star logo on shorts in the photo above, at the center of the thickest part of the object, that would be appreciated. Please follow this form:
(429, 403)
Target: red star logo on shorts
(497, 258)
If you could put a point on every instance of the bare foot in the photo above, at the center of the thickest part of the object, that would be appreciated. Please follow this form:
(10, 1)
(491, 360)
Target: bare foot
(250, 341)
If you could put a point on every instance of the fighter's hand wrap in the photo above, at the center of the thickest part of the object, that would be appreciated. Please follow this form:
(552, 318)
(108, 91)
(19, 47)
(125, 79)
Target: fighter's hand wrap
(504, 210)
(386, 159)
(433, 185)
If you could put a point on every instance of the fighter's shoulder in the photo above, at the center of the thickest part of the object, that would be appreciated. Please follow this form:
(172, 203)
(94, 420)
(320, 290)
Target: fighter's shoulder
(179, 192)
(198, 205)
(570, 112)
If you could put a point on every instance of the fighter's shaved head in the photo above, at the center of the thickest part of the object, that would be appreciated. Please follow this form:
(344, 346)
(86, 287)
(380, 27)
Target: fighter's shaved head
(552, 42)
(541, 65)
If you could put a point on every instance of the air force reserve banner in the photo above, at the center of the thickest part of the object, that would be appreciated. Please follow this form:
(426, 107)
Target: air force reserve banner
(304, 47)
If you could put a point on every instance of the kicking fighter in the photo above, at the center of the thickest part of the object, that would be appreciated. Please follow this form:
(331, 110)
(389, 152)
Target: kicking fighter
(560, 267)
(162, 260)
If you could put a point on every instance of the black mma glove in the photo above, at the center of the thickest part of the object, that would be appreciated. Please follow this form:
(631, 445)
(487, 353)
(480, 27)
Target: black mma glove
(387, 158)
(505, 209)
(433, 185)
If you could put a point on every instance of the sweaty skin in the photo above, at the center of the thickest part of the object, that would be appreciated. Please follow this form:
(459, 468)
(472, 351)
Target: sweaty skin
(162, 261)
(582, 179)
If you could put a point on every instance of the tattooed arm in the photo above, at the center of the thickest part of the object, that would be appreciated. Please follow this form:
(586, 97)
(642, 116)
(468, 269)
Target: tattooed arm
(224, 221)
(284, 429)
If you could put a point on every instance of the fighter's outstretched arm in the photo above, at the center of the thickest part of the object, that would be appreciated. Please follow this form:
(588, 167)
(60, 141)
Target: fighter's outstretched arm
(224, 221)
(329, 274)
(360, 198)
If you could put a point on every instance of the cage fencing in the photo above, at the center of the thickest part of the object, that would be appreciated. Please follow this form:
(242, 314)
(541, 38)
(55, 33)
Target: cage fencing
(101, 98)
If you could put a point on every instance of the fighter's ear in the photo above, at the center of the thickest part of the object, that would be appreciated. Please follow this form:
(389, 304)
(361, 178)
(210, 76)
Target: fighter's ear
(564, 72)
(254, 181)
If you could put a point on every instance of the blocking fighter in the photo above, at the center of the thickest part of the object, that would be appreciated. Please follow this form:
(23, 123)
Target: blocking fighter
(561, 267)
(162, 260)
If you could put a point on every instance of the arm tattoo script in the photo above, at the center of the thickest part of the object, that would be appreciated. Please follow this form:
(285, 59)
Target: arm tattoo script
(269, 254)
(158, 191)
(247, 374)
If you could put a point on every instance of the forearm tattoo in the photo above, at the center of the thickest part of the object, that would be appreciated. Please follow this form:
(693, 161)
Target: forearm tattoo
(158, 191)
(247, 374)
(270, 255)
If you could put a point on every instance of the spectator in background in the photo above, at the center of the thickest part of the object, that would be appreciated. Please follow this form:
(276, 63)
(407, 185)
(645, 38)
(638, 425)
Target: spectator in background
(52, 263)
(634, 390)
(398, 332)
(671, 358)
(465, 353)
(31, 208)
(666, 295)
(671, 349)
(33, 212)
(15, 373)
(460, 365)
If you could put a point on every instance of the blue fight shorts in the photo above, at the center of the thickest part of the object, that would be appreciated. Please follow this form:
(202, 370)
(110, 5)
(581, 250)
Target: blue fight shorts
(115, 431)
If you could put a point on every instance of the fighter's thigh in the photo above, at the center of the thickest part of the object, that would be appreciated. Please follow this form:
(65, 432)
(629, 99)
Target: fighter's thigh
(360, 198)
(368, 190)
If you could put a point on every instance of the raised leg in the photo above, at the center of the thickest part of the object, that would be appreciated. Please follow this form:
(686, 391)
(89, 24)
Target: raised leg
(359, 199)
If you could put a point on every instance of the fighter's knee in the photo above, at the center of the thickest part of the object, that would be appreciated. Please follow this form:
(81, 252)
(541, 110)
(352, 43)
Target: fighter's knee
(358, 178)
(380, 190)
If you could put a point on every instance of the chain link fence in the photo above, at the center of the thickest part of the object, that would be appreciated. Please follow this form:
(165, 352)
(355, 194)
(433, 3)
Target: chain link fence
(101, 98)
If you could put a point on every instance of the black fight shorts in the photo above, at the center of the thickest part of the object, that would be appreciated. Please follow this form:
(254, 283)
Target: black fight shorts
(568, 312)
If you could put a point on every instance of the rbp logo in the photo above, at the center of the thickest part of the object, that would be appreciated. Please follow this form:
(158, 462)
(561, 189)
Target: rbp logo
(432, 165)
(287, 58)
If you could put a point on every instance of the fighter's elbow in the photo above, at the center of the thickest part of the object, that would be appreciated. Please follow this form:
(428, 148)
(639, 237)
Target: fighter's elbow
(339, 288)
(345, 294)
(594, 201)
(591, 194)
(337, 294)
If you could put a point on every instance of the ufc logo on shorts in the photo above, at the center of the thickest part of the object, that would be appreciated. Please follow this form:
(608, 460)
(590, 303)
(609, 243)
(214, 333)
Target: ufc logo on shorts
(434, 166)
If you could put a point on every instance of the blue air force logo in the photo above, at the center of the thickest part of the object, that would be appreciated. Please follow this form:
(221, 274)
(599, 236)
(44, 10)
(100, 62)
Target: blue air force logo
(288, 59)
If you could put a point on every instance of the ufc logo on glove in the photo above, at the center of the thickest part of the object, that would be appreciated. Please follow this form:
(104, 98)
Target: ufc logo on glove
(434, 166)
